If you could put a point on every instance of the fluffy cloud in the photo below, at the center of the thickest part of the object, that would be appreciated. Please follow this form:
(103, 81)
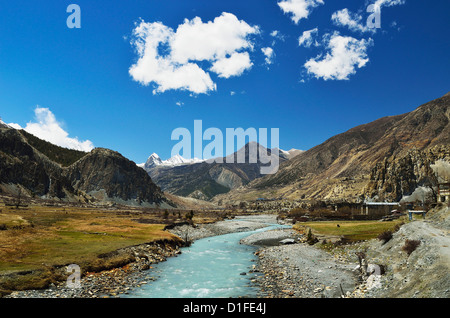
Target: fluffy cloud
(307, 38)
(345, 54)
(169, 58)
(275, 33)
(351, 20)
(234, 65)
(46, 127)
(269, 53)
(298, 9)
(388, 3)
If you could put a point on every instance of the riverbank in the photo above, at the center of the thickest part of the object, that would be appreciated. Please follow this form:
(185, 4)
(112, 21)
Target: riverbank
(113, 282)
(291, 268)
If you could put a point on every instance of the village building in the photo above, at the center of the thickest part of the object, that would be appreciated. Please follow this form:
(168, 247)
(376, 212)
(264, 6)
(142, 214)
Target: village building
(444, 192)
(378, 208)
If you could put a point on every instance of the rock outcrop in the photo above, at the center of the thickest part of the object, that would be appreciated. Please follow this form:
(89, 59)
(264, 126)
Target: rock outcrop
(395, 177)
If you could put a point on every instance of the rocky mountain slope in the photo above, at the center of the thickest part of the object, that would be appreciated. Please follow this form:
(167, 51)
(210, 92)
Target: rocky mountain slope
(41, 169)
(387, 157)
(204, 180)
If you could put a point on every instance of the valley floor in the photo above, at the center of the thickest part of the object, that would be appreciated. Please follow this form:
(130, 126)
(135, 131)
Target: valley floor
(301, 270)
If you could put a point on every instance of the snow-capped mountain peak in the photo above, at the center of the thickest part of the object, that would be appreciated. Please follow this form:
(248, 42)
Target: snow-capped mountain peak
(153, 160)
(177, 160)
(288, 154)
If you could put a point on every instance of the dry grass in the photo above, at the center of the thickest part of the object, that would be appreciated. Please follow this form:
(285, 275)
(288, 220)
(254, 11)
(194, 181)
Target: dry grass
(11, 221)
(63, 235)
(350, 230)
(37, 240)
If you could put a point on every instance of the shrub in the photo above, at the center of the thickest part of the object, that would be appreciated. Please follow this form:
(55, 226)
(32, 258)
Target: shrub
(300, 219)
(398, 226)
(410, 246)
(297, 213)
(385, 236)
(310, 238)
(342, 241)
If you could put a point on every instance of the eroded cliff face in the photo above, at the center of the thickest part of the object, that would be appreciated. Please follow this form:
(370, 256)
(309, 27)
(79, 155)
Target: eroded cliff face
(395, 177)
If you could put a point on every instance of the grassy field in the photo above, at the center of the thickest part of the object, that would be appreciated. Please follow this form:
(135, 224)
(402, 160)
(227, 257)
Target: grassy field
(350, 230)
(35, 240)
(44, 236)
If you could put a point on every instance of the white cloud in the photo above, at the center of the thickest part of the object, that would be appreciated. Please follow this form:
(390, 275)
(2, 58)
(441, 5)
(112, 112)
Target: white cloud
(13, 125)
(277, 36)
(307, 38)
(234, 65)
(168, 58)
(299, 9)
(388, 3)
(345, 55)
(198, 41)
(269, 53)
(46, 127)
(351, 20)
(275, 33)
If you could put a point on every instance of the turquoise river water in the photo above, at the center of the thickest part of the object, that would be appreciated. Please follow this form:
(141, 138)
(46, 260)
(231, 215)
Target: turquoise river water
(209, 268)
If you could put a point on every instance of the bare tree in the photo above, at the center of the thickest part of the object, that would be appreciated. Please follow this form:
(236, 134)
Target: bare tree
(18, 198)
(442, 170)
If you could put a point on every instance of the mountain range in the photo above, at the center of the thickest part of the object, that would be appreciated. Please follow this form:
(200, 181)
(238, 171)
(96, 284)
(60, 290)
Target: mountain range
(382, 160)
(154, 160)
(202, 179)
(386, 159)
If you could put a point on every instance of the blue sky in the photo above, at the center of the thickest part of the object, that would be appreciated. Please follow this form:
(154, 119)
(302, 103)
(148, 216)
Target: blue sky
(82, 76)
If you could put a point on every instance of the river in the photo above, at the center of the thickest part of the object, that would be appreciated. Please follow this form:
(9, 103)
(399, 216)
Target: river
(211, 267)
